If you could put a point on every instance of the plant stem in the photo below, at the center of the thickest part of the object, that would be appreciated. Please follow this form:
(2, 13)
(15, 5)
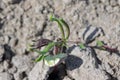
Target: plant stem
(67, 28)
(59, 25)
(110, 49)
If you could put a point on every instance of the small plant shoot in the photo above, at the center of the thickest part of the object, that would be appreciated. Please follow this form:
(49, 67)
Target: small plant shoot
(82, 46)
(52, 59)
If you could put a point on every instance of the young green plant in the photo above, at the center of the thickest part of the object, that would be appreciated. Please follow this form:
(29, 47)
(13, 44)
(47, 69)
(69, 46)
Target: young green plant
(56, 46)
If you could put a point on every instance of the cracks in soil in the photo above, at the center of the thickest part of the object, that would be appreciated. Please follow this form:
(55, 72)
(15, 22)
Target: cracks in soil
(111, 77)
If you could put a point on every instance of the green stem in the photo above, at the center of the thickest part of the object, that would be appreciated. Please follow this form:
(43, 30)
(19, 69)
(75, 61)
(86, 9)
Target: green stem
(67, 28)
(60, 25)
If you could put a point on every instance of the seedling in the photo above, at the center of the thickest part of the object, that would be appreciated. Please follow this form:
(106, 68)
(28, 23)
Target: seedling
(53, 53)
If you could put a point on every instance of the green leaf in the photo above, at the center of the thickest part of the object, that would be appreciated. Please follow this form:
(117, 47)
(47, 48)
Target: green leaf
(67, 28)
(39, 58)
(40, 52)
(51, 17)
(29, 47)
(46, 49)
(59, 25)
(52, 63)
(60, 55)
(53, 60)
(100, 43)
(82, 46)
(50, 57)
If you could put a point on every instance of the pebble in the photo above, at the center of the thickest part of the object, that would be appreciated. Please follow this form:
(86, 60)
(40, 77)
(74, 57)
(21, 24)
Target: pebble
(12, 70)
(1, 68)
(22, 63)
(6, 65)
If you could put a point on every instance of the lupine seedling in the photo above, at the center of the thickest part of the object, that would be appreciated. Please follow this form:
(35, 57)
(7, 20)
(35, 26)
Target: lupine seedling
(53, 52)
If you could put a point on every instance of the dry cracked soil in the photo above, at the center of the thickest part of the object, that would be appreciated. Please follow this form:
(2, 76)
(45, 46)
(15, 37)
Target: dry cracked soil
(21, 21)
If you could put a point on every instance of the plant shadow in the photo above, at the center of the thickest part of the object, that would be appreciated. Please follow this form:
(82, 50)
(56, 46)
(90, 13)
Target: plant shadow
(118, 53)
(70, 49)
(97, 60)
(73, 62)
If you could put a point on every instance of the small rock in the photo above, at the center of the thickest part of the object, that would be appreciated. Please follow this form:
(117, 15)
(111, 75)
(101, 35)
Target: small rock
(6, 64)
(6, 39)
(66, 78)
(20, 47)
(39, 9)
(25, 78)
(118, 77)
(105, 2)
(109, 9)
(38, 72)
(45, 11)
(6, 1)
(113, 2)
(27, 5)
(119, 2)
(22, 63)
(2, 16)
(19, 76)
(13, 42)
(6, 76)
(67, 1)
(19, 11)
(12, 70)
(1, 68)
